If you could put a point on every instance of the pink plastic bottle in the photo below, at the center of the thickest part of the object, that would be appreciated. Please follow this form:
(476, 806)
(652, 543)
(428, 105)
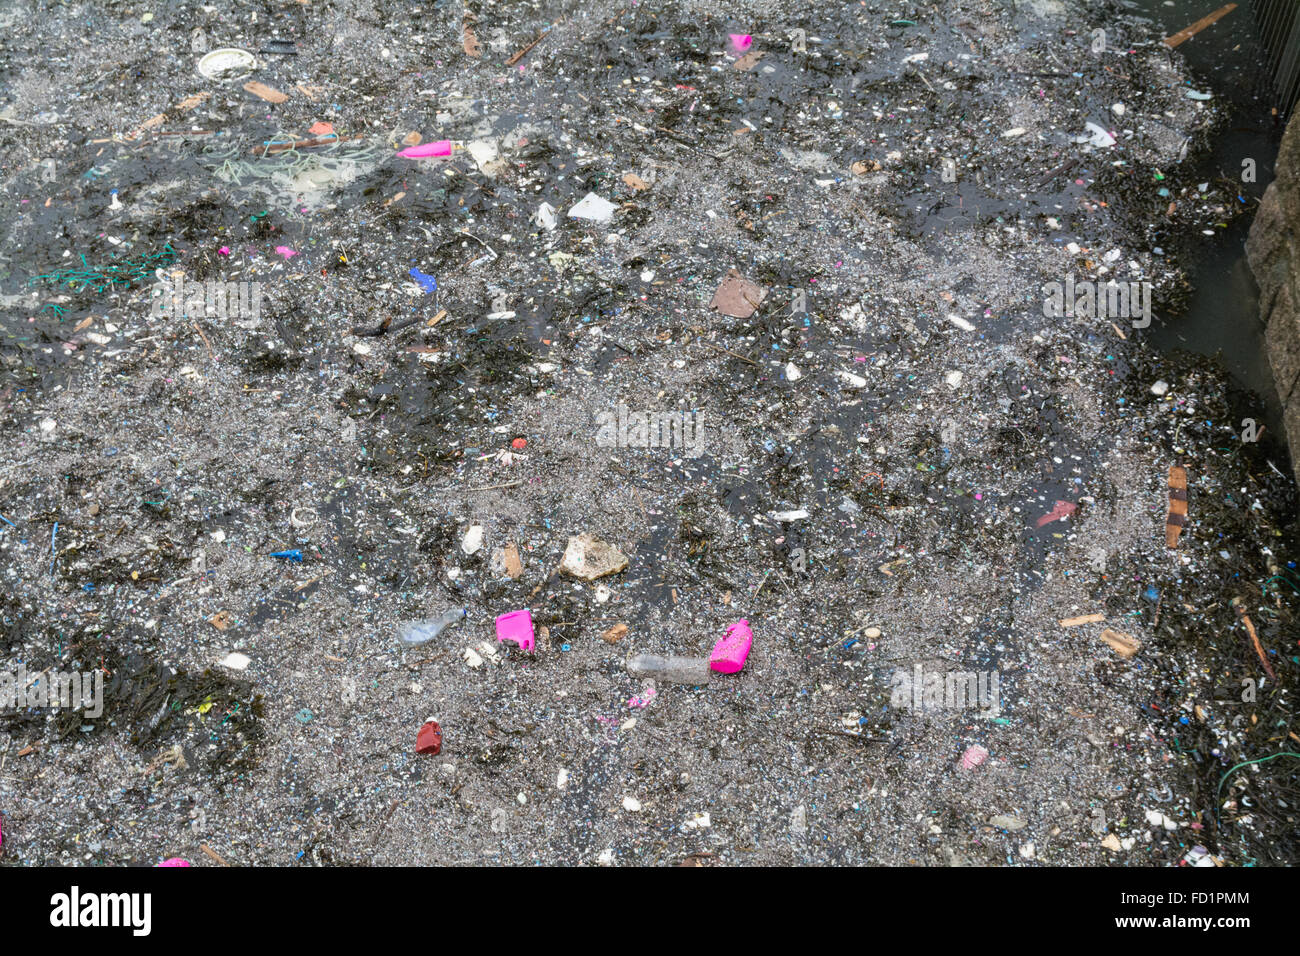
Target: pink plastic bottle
(729, 653)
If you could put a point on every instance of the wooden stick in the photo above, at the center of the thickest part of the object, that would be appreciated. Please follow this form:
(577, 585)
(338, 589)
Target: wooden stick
(1188, 32)
(211, 355)
(1084, 619)
(212, 853)
(301, 144)
(729, 352)
(1250, 629)
(508, 484)
(524, 51)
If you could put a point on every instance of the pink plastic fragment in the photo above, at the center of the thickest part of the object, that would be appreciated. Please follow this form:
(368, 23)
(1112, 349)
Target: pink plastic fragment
(1062, 509)
(973, 757)
(730, 652)
(639, 701)
(285, 251)
(440, 147)
(175, 861)
(224, 250)
(740, 42)
(517, 627)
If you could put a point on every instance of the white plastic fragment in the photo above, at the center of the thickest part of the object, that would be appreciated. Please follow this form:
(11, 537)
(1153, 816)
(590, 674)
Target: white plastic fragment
(235, 661)
(594, 208)
(1158, 819)
(1096, 136)
(485, 152)
(473, 539)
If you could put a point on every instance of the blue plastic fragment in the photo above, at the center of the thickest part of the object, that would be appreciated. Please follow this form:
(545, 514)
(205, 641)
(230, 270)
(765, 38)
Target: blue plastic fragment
(429, 282)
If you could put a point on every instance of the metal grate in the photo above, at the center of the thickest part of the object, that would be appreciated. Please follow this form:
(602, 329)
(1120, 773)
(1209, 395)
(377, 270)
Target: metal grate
(1279, 34)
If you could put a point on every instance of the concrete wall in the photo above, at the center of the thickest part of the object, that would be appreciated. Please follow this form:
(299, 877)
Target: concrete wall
(1273, 250)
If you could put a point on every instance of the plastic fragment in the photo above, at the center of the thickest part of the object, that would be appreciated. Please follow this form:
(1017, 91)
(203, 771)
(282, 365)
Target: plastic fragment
(429, 740)
(441, 147)
(421, 632)
(732, 649)
(594, 208)
(517, 628)
(675, 670)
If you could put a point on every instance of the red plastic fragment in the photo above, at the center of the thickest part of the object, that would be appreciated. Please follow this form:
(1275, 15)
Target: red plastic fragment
(1062, 509)
(430, 739)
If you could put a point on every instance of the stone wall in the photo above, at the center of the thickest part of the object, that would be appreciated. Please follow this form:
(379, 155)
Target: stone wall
(1273, 250)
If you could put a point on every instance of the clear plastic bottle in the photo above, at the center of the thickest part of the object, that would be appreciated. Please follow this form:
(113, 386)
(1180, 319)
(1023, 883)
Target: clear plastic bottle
(421, 632)
(674, 670)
